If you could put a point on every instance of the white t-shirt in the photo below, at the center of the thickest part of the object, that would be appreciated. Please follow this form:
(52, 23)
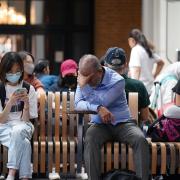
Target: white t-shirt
(16, 116)
(140, 58)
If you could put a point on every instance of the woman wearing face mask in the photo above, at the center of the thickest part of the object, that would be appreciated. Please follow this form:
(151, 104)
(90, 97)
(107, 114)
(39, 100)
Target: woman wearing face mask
(16, 109)
(68, 78)
(29, 76)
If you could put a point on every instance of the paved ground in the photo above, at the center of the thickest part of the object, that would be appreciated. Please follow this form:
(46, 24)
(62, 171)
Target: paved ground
(60, 179)
(47, 178)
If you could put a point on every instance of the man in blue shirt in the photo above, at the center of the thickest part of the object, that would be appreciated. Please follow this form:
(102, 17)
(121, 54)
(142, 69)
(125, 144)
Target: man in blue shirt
(101, 89)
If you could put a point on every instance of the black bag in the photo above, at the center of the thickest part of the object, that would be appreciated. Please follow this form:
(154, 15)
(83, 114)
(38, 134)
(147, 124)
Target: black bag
(120, 175)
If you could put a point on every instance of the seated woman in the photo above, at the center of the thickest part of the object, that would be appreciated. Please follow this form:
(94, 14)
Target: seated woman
(17, 106)
(42, 71)
(68, 77)
(28, 61)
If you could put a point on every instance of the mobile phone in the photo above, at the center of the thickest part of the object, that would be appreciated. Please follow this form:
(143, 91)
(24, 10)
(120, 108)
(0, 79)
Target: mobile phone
(20, 91)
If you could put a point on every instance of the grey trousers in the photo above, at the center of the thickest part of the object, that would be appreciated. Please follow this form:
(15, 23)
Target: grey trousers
(130, 133)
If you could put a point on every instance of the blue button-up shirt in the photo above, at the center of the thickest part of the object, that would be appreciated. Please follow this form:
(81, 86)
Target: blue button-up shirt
(110, 93)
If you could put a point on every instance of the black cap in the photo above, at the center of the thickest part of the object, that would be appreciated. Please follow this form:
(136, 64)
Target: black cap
(115, 57)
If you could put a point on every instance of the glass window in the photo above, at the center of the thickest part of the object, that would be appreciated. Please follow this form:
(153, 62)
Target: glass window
(173, 31)
(80, 45)
(12, 12)
(48, 12)
(55, 47)
(81, 12)
(11, 43)
(37, 12)
(38, 47)
(55, 12)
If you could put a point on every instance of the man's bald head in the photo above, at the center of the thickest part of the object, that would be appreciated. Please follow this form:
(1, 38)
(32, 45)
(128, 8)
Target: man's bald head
(89, 64)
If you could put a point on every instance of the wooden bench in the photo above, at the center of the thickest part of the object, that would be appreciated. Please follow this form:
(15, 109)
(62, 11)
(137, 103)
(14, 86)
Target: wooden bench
(164, 157)
(54, 140)
(58, 142)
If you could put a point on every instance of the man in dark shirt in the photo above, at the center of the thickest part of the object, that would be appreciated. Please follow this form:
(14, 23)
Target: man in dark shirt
(115, 58)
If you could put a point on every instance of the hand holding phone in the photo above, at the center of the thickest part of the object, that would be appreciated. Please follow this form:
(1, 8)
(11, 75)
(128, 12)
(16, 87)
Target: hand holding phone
(20, 91)
(22, 95)
(18, 95)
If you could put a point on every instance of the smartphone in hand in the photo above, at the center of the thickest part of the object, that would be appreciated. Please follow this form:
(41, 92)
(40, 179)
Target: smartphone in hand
(20, 91)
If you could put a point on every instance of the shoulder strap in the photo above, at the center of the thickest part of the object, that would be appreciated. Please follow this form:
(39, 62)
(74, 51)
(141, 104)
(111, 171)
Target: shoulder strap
(153, 104)
(167, 78)
(158, 86)
(26, 85)
(2, 94)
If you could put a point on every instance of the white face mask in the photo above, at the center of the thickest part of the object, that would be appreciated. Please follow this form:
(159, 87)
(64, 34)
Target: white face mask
(29, 68)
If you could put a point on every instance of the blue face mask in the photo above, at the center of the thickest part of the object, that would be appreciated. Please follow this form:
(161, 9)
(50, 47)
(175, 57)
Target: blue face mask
(13, 78)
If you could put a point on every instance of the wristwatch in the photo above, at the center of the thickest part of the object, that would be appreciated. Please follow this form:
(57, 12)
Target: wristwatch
(98, 108)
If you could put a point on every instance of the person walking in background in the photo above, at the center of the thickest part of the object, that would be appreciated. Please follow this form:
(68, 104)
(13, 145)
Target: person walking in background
(142, 59)
(102, 90)
(17, 106)
(29, 76)
(42, 72)
(67, 78)
(115, 58)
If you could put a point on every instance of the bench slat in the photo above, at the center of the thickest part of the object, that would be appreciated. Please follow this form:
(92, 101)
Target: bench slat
(57, 156)
(42, 117)
(57, 116)
(172, 157)
(108, 156)
(116, 155)
(64, 153)
(50, 116)
(35, 156)
(64, 116)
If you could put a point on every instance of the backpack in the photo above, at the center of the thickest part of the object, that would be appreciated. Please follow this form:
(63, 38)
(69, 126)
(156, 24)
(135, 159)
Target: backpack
(165, 129)
(120, 175)
(3, 93)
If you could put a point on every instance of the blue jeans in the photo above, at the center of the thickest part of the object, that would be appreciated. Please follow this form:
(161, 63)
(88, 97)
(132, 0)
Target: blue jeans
(16, 137)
